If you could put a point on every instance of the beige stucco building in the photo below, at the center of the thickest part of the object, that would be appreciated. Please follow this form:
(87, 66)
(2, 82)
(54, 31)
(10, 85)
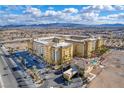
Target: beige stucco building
(61, 49)
(84, 45)
(53, 50)
(58, 49)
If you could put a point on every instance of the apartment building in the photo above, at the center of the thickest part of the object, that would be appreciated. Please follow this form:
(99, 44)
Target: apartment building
(53, 50)
(61, 49)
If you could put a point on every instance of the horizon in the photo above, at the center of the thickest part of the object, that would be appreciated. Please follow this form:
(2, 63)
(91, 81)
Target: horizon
(115, 24)
(48, 14)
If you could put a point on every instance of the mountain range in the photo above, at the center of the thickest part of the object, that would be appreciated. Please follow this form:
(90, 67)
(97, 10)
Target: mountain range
(61, 25)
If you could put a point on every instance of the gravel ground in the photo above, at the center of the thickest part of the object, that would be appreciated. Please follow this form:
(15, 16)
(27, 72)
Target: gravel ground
(112, 76)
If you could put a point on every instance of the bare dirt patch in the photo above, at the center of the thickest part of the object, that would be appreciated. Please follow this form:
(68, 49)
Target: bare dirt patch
(112, 76)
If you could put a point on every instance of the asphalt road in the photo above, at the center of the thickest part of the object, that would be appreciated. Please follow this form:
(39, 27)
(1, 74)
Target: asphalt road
(0, 85)
(7, 80)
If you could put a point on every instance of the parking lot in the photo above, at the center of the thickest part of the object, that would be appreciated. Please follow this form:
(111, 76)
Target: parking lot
(6, 77)
(55, 79)
(52, 78)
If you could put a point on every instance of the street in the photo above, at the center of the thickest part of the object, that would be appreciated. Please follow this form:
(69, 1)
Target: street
(7, 79)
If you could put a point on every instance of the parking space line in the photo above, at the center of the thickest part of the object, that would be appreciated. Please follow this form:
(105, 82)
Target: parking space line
(1, 81)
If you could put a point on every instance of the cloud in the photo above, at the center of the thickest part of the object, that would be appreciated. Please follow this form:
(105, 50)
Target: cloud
(111, 19)
(2, 12)
(103, 7)
(98, 8)
(119, 7)
(117, 16)
(86, 15)
(61, 13)
(70, 10)
(65, 15)
(52, 13)
(34, 11)
(92, 14)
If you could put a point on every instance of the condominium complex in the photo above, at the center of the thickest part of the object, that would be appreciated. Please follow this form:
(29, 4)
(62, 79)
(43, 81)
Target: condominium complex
(61, 49)
(36, 56)
(53, 50)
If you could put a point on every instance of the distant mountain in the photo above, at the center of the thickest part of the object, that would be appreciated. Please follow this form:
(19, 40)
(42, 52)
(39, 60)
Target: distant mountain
(61, 25)
(47, 25)
(114, 25)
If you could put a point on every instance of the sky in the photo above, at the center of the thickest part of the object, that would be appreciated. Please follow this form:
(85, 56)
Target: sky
(46, 14)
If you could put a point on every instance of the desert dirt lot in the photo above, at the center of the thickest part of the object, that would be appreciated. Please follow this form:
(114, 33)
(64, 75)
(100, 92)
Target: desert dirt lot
(112, 76)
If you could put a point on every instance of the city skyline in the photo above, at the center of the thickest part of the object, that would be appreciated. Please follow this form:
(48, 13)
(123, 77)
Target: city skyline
(45, 14)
